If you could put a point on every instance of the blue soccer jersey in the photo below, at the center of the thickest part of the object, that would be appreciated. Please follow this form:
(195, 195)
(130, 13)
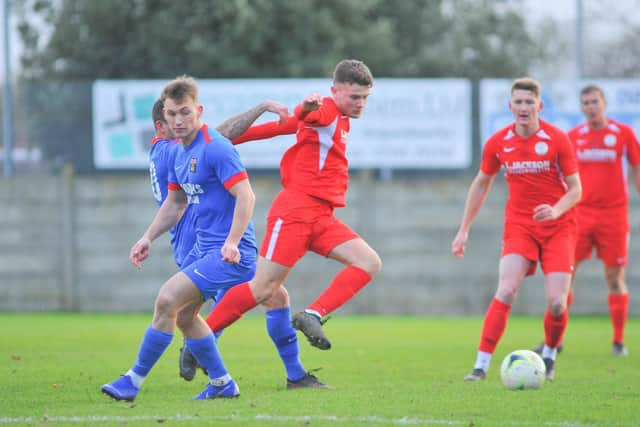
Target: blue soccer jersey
(183, 236)
(206, 170)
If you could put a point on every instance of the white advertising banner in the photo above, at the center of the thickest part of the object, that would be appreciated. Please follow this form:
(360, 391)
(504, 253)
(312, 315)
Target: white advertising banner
(408, 123)
(561, 103)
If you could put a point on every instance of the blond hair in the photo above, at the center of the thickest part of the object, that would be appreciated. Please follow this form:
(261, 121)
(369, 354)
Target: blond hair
(180, 88)
(527, 83)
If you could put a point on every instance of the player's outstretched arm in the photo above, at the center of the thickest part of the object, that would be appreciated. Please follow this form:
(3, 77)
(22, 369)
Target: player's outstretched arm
(167, 216)
(268, 130)
(237, 125)
(475, 199)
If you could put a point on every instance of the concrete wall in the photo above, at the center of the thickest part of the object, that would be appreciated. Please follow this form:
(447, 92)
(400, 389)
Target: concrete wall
(65, 245)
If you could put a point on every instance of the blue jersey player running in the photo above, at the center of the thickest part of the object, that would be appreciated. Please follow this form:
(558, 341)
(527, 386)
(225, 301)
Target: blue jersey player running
(278, 313)
(207, 173)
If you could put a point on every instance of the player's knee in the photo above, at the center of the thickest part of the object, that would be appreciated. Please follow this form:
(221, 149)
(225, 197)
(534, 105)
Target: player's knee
(557, 306)
(616, 285)
(279, 299)
(372, 263)
(184, 320)
(263, 291)
(164, 306)
(506, 292)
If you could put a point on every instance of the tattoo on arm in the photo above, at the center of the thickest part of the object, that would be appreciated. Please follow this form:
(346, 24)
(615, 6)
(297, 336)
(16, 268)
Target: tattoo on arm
(237, 125)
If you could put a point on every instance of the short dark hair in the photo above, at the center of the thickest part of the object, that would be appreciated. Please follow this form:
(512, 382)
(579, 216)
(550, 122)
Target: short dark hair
(180, 88)
(527, 83)
(593, 88)
(352, 71)
(156, 112)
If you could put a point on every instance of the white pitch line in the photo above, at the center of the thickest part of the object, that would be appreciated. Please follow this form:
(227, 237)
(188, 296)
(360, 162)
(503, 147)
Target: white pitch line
(273, 418)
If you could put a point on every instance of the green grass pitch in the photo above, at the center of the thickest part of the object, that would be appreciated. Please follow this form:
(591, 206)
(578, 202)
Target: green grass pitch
(387, 371)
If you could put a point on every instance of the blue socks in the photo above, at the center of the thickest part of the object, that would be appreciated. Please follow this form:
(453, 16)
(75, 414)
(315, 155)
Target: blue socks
(207, 354)
(284, 337)
(154, 343)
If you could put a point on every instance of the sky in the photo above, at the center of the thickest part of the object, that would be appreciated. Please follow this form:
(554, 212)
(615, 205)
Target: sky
(602, 20)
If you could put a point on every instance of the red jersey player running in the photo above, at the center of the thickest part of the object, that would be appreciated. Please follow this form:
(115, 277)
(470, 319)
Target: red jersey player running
(603, 218)
(315, 177)
(542, 175)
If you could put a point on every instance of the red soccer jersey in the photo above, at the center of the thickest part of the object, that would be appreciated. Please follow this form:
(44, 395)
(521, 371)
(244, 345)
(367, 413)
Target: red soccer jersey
(600, 153)
(317, 164)
(534, 168)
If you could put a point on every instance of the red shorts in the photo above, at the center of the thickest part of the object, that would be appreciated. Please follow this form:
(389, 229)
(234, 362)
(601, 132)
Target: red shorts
(297, 223)
(552, 245)
(606, 232)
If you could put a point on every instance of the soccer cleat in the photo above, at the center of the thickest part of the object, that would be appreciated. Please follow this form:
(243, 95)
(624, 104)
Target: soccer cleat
(619, 349)
(476, 375)
(311, 326)
(539, 347)
(227, 390)
(187, 364)
(550, 369)
(308, 381)
(121, 389)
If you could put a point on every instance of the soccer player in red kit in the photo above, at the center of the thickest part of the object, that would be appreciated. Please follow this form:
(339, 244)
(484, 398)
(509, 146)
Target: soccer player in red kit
(541, 171)
(315, 177)
(601, 144)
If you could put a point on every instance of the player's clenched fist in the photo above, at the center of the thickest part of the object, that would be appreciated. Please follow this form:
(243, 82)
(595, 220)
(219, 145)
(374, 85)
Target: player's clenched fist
(230, 253)
(312, 102)
(139, 252)
(457, 246)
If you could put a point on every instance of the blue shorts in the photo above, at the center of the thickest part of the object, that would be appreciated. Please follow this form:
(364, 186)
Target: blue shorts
(211, 274)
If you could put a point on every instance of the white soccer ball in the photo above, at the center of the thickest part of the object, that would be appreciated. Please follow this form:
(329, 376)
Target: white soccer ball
(522, 370)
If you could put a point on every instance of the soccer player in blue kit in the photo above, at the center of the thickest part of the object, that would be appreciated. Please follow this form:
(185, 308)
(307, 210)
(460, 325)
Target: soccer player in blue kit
(209, 175)
(183, 240)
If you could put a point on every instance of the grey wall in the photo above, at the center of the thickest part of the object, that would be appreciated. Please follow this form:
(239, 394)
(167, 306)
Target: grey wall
(65, 245)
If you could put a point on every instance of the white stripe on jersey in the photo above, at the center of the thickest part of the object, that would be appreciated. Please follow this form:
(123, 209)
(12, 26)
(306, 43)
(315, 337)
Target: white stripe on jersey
(325, 136)
(273, 239)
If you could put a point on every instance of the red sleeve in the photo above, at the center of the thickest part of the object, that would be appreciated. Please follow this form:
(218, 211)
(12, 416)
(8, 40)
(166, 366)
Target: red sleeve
(490, 164)
(235, 179)
(174, 187)
(566, 154)
(633, 150)
(321, 117)
(268, 130)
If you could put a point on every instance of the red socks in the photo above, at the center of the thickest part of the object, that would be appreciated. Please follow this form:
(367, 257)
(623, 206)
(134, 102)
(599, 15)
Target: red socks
(237, 301)
(344, 286)
(554, 327)
(618, 309)
(495, 322)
